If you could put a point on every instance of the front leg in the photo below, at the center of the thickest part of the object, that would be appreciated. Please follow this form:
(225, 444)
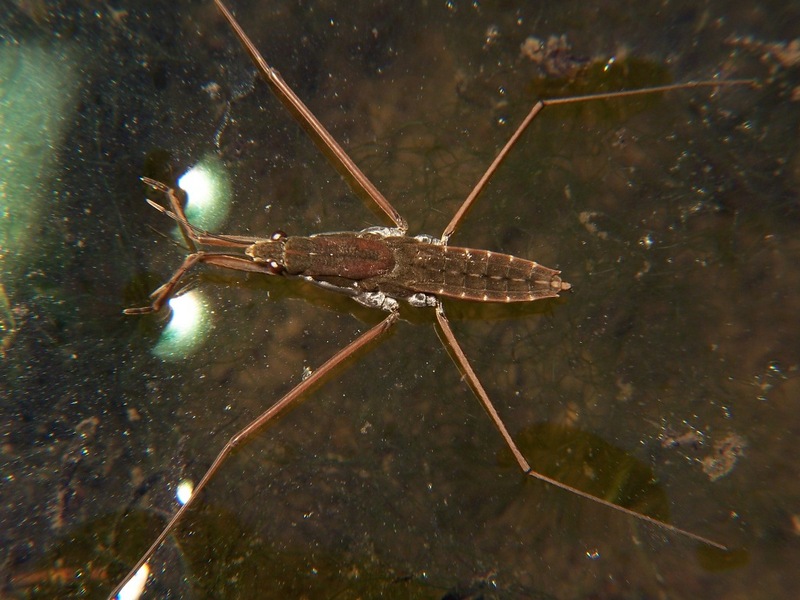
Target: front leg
(226, 261)
(377, 300)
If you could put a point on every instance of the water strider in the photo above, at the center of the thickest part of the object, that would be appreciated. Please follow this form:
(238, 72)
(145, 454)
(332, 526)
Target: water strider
(380, 267)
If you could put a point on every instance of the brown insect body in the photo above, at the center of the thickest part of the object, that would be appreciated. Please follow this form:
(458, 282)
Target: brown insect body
(403, 268)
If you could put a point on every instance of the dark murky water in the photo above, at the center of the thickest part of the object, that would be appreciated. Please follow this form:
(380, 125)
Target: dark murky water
(668, 380)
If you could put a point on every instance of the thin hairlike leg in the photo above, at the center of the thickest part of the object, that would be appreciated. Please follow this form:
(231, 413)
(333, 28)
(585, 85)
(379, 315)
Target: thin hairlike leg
(301, 388)
(226, 261)
(324, 140)
(194, 235)
(187, 230)
(539, 106)
(461, 361)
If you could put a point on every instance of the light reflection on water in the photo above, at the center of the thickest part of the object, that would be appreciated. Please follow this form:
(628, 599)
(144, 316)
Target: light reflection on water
(208, 189)
(188, 327)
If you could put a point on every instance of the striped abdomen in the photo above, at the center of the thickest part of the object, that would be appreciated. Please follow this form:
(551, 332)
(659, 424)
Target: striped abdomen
(469, 274)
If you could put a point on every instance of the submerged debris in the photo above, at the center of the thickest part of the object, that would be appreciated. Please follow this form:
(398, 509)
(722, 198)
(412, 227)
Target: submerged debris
(786, 53)
(776, 55)
(724, 456)
(554, 56)
(691, 438)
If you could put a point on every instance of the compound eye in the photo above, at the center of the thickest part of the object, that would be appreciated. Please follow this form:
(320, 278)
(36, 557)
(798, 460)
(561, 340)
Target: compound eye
(278, 235)
(275, 267)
